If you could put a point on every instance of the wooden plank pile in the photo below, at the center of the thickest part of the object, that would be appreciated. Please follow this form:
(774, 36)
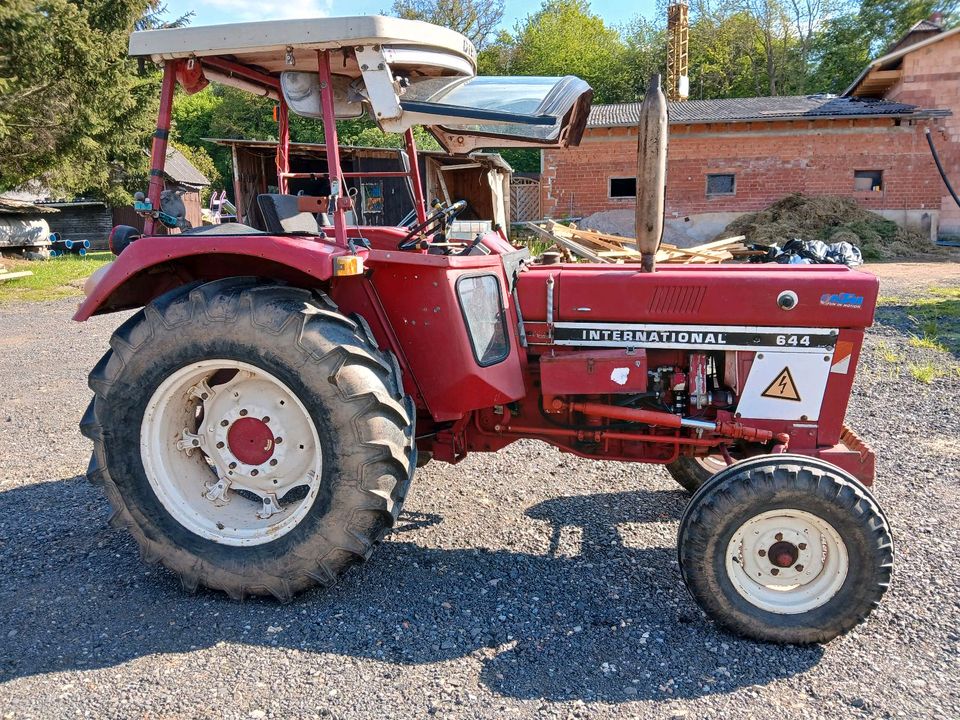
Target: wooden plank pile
(603, 248)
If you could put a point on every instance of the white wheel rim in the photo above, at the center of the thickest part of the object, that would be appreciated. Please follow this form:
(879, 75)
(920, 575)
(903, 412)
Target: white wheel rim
(758, 552)
(223, 458)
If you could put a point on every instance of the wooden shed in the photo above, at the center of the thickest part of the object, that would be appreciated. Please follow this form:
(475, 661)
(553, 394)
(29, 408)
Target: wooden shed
(178, 174)
(482, 179)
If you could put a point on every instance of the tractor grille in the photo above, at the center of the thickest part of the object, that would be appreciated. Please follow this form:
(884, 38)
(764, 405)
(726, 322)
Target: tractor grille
(681, 300)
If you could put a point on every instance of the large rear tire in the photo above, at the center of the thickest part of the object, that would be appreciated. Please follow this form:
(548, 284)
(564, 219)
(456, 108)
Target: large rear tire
(692, 472)
(785, 548)
(250, 437)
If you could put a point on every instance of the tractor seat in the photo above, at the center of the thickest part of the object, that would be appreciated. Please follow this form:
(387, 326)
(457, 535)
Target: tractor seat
(223, 229)
(281, 214)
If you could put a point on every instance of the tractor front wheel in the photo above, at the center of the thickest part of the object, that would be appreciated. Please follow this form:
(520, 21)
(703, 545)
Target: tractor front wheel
(785, 548)
(250, 437)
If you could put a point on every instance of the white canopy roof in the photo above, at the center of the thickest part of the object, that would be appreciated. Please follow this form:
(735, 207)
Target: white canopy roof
(267, 44)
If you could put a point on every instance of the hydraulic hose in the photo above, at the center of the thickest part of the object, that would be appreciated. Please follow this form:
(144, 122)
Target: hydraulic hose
(943, 173)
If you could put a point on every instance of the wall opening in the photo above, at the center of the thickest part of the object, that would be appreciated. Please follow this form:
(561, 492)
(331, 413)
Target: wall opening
(625, 187)
(868, 180)
(721, 184)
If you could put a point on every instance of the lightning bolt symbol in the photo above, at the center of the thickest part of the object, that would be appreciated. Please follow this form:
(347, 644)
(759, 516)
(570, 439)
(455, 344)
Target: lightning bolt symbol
(782, 384)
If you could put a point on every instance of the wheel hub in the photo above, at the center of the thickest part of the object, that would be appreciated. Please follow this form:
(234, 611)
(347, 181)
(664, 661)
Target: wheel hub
(783, 554)
(243, 444)
(787, 561)
(251, 440)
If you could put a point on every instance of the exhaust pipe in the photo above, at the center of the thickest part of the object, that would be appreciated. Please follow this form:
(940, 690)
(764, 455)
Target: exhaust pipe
(651, 173)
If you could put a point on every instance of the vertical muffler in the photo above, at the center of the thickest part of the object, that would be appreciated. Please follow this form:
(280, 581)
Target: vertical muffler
(651, 173)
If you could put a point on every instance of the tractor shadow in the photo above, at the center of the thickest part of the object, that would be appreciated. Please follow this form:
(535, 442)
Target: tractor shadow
(611, 622)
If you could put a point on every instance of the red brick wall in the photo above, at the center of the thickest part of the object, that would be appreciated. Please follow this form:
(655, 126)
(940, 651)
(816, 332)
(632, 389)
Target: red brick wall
(931, 79)
(770, 160)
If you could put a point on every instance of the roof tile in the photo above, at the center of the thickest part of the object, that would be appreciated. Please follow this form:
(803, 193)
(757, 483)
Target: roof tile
(757, 108)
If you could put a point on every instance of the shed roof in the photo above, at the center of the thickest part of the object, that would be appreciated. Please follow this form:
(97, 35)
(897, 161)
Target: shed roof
(180, 170)
(491, 158)
(800, 107)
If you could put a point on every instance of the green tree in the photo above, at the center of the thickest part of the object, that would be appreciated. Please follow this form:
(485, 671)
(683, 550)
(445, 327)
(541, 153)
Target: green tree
(477, 19)
(74, 111)
(565, 38)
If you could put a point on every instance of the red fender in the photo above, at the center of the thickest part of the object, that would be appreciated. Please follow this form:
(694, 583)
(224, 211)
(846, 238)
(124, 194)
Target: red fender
(151, 266)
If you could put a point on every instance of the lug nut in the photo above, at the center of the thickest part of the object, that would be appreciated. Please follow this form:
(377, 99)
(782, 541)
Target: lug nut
(224, 423)
(799, 568)
(254, 473)
(273, 462)
(802, 546)
(266, 418)
(219, 446)
(779, 536)
(232, 465)
(762, 553)
(242, 413)
(775, 571)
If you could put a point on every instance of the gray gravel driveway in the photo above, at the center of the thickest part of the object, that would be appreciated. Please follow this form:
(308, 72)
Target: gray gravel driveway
(522, 584)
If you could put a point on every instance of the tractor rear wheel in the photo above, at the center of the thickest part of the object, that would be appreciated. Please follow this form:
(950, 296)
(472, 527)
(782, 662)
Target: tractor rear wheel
(785, 548)
(692, 472)
(250, 437)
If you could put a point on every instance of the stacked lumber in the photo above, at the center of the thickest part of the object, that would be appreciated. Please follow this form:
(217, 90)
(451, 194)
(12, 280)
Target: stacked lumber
(604, 248)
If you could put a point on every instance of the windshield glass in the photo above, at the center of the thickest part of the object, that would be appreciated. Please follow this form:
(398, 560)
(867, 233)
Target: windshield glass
(530, 108)
(507, 94)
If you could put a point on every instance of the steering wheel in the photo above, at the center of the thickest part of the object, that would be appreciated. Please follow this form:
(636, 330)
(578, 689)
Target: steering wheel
(437, 219)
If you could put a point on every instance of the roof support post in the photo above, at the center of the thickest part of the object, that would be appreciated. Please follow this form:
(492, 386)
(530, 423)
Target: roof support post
(158, 152)
(283, 146)
(414, 169)
(333, 149)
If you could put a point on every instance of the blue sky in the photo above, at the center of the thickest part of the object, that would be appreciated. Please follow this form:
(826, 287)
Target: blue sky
(212, 12)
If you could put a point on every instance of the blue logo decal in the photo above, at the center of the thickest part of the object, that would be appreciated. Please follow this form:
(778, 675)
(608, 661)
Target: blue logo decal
(847, 300)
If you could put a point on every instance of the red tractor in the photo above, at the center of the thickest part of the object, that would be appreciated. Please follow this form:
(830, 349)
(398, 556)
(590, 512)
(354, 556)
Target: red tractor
(257, 423)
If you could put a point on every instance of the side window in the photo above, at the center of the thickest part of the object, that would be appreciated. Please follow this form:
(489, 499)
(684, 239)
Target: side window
(623, 187)
(721, 184)
(482, 307)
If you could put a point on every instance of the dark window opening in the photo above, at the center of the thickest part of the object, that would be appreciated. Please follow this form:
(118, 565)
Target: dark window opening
(721, 184)
(623, 187)
(868, 180)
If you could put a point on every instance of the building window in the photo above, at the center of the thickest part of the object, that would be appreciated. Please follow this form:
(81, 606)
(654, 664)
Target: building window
(721, 184)
(625, 187)
(868, 180)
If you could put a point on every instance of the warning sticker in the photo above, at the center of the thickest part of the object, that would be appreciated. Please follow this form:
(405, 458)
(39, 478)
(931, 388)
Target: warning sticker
(841, 357)
(783, 387)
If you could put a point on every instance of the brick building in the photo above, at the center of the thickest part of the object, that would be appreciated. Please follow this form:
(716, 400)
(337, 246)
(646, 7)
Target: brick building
(925, 71)
(729, 157)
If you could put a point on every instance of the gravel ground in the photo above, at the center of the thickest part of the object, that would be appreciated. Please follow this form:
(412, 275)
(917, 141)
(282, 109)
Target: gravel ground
(521, 584)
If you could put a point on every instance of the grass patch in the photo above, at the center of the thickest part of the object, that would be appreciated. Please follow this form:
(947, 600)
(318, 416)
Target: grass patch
(52, 279)
(924, 372)
(927, 343)
(888, 354)
(936, 319)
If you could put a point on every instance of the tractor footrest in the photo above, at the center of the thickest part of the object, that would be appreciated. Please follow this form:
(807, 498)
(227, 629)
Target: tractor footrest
(853, 455)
